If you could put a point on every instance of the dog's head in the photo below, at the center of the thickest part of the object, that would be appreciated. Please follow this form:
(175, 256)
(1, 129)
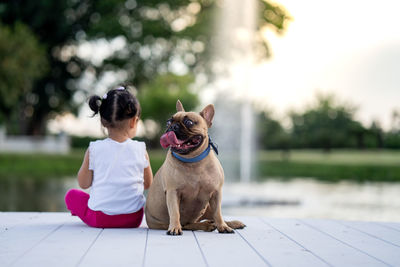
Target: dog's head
(187, 132)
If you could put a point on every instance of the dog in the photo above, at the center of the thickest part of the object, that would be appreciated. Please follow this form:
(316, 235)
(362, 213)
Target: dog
(187, 189)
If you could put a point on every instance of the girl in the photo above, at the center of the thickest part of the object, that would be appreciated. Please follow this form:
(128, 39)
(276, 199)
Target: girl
(117, 168)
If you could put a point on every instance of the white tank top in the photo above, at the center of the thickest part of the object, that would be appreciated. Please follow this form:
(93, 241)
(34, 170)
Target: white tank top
(118, 169)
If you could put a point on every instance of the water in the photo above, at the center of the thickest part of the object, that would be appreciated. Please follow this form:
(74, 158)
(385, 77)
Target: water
(308, 198)
(297, 198)
(29, 194)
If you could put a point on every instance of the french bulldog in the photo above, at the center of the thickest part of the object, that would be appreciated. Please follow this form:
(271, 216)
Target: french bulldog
(187, 189)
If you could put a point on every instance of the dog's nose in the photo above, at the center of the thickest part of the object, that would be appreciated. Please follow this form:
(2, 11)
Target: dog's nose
(175, 127)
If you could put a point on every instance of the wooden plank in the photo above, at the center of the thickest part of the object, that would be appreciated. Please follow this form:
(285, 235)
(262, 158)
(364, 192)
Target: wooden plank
(7, 218)
(117, 247)
(64, 247)
(334, 252)
(12, 219)
(276, 248)
(165, 250)
(393, 225)
(228, 250)
(18, 240)
(58, 239)
(371, 246)
(376, 230)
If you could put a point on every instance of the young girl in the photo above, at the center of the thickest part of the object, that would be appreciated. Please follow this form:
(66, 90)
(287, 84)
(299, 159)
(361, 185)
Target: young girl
(117, 168)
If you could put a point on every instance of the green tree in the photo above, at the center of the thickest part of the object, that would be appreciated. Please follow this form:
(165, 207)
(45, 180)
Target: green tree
(326, 125)
(154, 35)
(22, 61)
(158, 99)
(271, 133)
(392, 137)
(375, 136)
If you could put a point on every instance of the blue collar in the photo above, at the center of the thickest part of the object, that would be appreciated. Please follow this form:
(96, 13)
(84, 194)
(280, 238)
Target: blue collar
(199, 157)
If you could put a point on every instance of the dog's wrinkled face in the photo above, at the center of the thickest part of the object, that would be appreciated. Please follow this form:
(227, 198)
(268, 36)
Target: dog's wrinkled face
(187, 131)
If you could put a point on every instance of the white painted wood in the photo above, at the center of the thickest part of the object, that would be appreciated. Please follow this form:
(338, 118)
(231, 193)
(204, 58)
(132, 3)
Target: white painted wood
(58, 239)
(326, 247)
(392, 225)
(376, 230)
(274, 247)
(18, 240)
(227, 250)
(165, 250)
(117, 247)
(374, 247)
(63, 247)
(11, 219)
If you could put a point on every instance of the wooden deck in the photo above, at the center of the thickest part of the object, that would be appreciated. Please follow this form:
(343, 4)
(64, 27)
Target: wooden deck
(58, 239)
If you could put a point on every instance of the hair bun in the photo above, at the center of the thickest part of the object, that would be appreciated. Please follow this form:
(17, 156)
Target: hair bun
(131, 109)
(95, 103)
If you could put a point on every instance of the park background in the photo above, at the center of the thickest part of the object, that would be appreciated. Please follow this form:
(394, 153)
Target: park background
(323, 87)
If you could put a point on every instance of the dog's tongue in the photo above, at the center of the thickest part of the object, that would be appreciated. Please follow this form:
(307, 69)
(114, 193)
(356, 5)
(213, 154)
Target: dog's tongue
(169, 139)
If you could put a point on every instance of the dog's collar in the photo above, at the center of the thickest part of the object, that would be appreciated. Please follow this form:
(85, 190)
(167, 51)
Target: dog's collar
(199, 157)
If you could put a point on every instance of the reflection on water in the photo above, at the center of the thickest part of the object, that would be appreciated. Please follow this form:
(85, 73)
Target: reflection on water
(307, 198)
(298, 198)
(34, 194)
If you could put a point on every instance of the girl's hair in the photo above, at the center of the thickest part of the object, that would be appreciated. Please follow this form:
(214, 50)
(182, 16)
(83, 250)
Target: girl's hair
(115, 106)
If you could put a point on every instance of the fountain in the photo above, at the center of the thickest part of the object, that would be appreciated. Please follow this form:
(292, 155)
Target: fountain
(234, 60)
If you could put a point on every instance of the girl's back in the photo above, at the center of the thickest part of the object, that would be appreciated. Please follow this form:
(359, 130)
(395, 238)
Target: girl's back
(117, 186)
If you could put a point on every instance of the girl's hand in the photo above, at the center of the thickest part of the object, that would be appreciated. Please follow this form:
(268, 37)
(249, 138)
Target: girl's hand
(148, 174)
(85, 176)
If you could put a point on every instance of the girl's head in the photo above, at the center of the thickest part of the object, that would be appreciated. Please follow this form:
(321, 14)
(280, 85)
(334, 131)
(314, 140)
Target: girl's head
(118, 109)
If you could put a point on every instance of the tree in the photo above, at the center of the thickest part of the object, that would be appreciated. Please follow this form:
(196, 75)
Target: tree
(22, 61)
(271, 133)
(326, 125)
(154, 35)
(158, 100)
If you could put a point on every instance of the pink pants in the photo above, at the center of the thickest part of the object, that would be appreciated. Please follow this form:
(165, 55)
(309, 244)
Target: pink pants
(77, 203)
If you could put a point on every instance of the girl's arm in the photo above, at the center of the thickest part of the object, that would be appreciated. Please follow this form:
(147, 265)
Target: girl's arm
(148, 174)
(85, 176)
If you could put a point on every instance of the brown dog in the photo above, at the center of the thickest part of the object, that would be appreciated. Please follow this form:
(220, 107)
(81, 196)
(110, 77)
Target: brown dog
(186, 192)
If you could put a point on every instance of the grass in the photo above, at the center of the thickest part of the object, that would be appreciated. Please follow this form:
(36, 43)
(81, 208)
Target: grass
(44, 166)
(382, 165)
(379, 165)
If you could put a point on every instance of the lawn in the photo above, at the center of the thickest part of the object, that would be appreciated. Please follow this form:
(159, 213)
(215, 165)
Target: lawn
(376, 165)
(379, 165)
(43, 166)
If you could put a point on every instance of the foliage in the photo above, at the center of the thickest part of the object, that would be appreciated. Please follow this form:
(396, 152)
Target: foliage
(271, 133)
(154, 34)
(272, 16)
(327, 124)
(158, 98)
(22, 61)
(81, 142)
(392, 140)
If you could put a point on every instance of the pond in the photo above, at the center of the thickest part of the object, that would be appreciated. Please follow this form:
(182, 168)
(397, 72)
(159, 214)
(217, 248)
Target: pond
(296, 198)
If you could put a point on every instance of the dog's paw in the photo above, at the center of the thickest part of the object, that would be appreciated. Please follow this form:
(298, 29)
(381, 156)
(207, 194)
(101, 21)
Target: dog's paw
(236, 224)
(225, 229)
(177, 230)
(209, 226)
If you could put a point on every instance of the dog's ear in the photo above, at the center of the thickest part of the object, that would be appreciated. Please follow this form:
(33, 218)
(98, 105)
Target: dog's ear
(208, 114)
(179, 106)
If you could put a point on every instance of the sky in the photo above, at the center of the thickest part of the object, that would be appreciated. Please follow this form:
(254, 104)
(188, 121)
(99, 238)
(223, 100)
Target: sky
(346, 47)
